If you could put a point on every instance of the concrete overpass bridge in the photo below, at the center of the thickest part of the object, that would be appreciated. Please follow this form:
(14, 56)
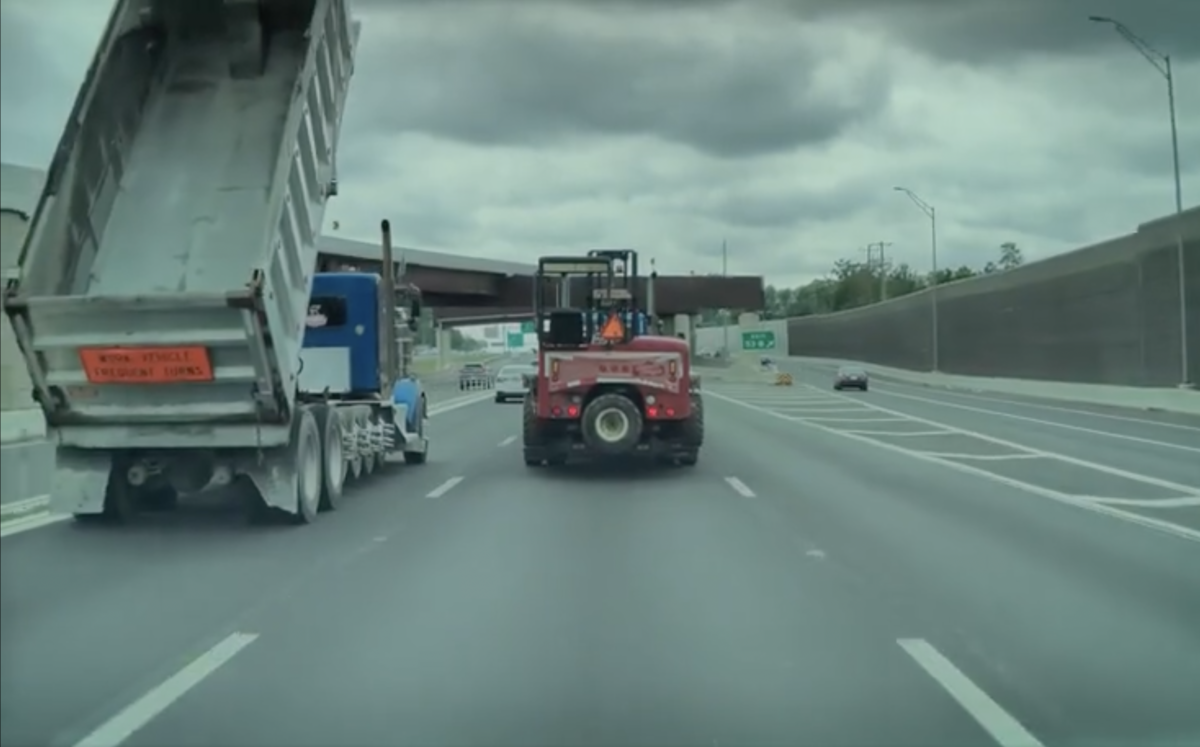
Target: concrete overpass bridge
(484, 290)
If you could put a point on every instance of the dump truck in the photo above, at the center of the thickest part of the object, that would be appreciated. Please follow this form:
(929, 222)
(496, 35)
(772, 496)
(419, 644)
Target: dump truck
(166, 299)
(607, 387)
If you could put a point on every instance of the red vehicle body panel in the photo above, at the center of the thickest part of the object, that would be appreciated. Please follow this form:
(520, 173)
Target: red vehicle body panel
(658, 366)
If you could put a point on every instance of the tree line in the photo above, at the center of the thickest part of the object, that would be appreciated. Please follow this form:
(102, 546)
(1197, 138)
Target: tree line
(851, 284)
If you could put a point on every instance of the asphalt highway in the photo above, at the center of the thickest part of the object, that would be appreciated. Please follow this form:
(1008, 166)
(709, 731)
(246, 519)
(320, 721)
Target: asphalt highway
(808, 583)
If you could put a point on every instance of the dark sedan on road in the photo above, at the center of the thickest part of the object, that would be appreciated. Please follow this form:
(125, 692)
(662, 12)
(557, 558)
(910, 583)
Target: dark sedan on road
(850, 377)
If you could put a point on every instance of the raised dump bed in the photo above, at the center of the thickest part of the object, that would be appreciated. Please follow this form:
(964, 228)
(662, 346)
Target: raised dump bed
(182, 211)
(162, 291)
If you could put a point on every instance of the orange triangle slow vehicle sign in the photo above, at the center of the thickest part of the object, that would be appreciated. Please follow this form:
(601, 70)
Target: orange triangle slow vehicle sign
(613, 329)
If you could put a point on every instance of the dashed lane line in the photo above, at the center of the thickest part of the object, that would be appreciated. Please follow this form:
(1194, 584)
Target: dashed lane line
(990, 715)
(118, 729)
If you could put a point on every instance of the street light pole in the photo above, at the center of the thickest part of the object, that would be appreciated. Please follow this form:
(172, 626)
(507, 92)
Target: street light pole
(1162, 63)
(931, 213)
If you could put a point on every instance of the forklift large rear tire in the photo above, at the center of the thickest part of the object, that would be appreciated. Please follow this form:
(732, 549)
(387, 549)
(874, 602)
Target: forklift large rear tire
(612, 424)
(531, 427)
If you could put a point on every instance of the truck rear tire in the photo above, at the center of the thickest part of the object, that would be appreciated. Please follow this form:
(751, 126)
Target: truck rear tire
(307, 455)
(121, 499)
(419, 457)
(532, 436)
(333, 478)
(612, 424)
(693, 427)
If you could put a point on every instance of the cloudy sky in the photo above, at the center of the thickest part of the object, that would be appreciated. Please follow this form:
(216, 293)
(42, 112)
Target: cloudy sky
(508, 129)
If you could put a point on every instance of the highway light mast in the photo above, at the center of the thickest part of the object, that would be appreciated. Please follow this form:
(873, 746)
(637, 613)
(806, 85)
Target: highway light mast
(931, 213)
(1162, 63)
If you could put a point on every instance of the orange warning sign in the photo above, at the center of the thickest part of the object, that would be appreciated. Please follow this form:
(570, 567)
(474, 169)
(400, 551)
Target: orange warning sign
(174, 365)
(613, 329)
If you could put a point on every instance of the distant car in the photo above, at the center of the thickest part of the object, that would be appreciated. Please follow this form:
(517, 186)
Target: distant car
(510, 381)
(474, 376)
(851, 377)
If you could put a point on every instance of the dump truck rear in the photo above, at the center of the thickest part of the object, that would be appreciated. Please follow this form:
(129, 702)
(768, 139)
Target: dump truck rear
(161, 295)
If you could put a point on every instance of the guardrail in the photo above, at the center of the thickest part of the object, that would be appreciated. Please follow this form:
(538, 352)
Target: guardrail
(478, 384)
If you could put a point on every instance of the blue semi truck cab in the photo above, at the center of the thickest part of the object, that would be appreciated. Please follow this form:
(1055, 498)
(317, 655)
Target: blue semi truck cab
(358, 339)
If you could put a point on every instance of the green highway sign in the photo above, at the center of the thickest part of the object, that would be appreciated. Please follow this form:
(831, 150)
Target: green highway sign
(516, 340)
(759, 340)
(527, 328)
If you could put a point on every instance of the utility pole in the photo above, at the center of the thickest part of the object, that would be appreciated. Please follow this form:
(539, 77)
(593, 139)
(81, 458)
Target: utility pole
(725, 312)
(883, 272)
(882, 265)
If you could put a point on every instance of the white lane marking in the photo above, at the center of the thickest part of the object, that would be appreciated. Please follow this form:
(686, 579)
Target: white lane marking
(459, 403)
(820, 410)
(740, 487)
(445, 487)
(904, 433)
(42, 519)
(850, 420)
(507, 441)
(1052, 423)
(142, 711)
(28, 523)
(984, 457)
(1185, 501)
(999, 723)
(1054, 408)
(26, 505)
(1161, 525)
(1116, 472)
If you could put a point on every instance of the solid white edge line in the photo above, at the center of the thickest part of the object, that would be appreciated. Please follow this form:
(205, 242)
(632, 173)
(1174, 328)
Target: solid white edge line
(25, 505)
(31, 522)
(997, 722)
(142, 711)
(445, 487)
(740, 487)
(40, 503)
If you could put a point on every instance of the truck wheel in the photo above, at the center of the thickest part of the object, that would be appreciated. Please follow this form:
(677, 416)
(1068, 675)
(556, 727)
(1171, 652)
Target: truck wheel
(332, 457)
(121, 500)
(531, 433)
(354, 459)
(305, 445)
(419, 457)
(612, 424)
(693, 427)
(689, 459)
(161, 498)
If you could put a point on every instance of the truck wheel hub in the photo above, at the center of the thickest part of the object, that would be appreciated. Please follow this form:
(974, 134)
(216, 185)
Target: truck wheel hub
(612, 426)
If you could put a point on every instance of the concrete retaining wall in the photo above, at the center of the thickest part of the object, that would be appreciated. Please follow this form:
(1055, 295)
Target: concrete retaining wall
(1104, 314)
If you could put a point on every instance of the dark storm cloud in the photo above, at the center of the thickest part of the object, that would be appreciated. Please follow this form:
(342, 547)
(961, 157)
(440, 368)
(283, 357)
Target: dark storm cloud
(973, 31)
(517, 81)
(999, 31)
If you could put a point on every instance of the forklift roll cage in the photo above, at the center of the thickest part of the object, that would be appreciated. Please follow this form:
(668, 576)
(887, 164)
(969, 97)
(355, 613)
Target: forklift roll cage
(611, 287)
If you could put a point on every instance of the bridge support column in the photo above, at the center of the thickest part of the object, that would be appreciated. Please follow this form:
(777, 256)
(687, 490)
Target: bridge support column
(683, 325)
(443, 346)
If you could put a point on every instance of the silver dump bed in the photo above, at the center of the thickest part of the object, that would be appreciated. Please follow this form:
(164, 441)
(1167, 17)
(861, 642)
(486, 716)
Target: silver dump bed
(163, 284)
